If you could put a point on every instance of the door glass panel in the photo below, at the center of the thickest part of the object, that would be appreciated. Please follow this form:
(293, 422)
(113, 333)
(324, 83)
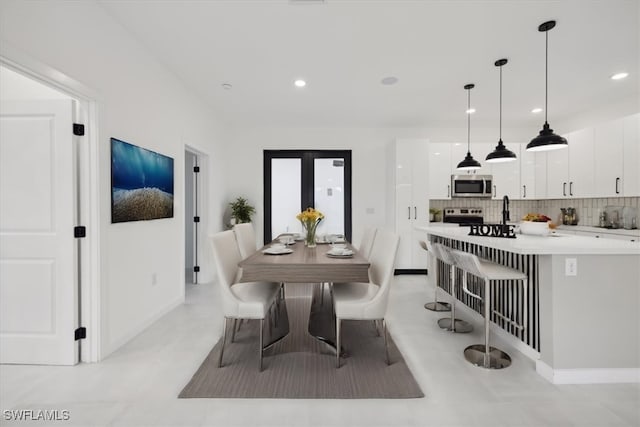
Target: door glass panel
(329, 194)
(286, 184)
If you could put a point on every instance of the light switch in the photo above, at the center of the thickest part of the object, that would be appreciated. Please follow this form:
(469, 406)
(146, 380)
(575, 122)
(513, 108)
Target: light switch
(370, 210)
(570, 267)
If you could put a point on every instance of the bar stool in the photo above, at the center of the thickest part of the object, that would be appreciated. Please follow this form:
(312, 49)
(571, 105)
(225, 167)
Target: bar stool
(436, 305)
(451, 324)
(484, 355)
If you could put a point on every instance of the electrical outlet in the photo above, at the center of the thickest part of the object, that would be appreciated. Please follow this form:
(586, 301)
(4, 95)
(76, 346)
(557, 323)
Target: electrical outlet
(154, 279)
(570, 267)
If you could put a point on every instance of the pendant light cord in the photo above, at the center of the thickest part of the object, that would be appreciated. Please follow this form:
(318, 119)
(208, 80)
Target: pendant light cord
(546, 74)
(500, 138)
(468, 121)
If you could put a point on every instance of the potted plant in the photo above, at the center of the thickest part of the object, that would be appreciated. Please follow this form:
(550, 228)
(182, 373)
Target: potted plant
(241, 211)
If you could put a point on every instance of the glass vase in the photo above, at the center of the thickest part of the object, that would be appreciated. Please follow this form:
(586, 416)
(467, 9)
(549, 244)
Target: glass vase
(310, 239)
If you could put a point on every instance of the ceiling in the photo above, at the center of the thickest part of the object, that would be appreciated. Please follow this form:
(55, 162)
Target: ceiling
(344, 48)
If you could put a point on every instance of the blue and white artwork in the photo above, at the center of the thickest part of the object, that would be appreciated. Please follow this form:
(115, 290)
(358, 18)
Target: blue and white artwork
(141, 183)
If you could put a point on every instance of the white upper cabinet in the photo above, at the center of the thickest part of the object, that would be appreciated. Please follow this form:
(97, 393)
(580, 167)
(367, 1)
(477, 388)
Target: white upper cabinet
(570, 170)
(506, 176)
(558, 172)
(581, 164)
(527, 162)
(609, 149)
(631, 141)
(440, 170)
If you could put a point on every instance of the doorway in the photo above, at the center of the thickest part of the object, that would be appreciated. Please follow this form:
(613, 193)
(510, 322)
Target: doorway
(191, 215)
(47, 197)
(297, 179)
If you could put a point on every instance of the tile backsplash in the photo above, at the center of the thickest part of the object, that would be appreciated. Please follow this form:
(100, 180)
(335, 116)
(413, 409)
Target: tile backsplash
(588, 210)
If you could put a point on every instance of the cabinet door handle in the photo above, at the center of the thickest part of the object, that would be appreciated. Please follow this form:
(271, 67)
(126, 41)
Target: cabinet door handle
(448, 191)
(415, 212)
(409, 212)
(494, 191)
(564, 189)
(571, 188)
(524, 191)
(617, 188)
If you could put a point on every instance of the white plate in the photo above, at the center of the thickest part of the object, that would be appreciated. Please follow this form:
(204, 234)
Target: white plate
(271, 251)
(334, 252)
(330, 255)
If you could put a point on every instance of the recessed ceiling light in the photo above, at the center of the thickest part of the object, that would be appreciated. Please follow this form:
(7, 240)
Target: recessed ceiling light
(619, 76)
(470, 111)
(389, 80)
(226, 86)
(536, 110)
(300, 83)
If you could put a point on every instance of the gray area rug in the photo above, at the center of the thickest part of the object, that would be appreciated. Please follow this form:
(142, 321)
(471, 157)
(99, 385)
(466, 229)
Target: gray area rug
(300, 366)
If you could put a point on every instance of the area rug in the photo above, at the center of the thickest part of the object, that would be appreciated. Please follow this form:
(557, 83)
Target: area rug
(299, 366)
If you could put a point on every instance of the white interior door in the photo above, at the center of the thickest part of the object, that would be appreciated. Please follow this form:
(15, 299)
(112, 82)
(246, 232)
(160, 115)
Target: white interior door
(38, 271)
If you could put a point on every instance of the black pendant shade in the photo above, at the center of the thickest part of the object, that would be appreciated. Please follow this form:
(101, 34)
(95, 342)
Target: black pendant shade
(501, 153)
(469, 163)
(546, 140)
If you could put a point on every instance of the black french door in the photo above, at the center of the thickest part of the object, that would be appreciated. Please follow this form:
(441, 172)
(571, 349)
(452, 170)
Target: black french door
(297, 179)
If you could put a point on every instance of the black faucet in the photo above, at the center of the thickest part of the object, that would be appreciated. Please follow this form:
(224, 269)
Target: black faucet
(505, 210)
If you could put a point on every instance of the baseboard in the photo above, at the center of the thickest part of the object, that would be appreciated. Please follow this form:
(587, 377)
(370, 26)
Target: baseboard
(400, 271)
(115, 345)
(587, 376)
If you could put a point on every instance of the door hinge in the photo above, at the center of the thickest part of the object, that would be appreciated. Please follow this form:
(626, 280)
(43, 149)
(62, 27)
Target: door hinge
(196, 219)
(80, 231)
(78, 129)
(80, 333)
(196, 268)
(196, 169)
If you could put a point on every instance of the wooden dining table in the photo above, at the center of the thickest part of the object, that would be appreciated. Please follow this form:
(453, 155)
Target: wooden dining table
(302, 266)
(305, 265)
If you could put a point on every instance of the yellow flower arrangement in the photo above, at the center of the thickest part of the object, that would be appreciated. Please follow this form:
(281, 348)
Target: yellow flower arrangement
(310, 218)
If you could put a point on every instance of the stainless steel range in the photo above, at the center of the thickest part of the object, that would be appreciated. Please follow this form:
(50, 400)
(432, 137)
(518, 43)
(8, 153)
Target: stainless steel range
(463, 215)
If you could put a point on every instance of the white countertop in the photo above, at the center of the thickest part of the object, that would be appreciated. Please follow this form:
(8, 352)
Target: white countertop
(556, 244)
(600, 230)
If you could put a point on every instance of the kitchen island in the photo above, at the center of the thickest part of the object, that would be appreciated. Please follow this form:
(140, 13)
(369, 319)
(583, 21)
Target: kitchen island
(582, 322)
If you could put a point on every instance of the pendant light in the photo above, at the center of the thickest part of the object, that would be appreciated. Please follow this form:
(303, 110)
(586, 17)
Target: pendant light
(469, 163)
(546, 140)
(501, 153)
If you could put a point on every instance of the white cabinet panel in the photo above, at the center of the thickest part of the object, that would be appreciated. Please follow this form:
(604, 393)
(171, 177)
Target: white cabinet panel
(581, 164)
(608, 149)
(631, 162)
(558, 172)
(527, 163)
(411, 200)
(439, 170)
(506, 176)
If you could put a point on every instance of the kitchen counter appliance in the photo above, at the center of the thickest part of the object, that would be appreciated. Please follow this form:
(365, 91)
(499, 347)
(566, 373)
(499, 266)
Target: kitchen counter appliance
(463, 216)
(478, 186)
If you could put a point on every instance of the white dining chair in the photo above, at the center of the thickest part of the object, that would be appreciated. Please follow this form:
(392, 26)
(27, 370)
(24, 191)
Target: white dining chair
(368, 301)
(367, 242)
(251, 300)
(246, 237)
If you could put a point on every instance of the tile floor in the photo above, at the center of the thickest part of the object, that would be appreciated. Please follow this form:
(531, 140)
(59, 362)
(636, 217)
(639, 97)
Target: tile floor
(138, 384)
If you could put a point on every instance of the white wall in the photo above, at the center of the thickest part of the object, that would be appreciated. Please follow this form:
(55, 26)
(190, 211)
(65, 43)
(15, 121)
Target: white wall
(142, 103)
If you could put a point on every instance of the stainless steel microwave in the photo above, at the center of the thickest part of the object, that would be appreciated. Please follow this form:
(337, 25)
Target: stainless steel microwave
(478, 186)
